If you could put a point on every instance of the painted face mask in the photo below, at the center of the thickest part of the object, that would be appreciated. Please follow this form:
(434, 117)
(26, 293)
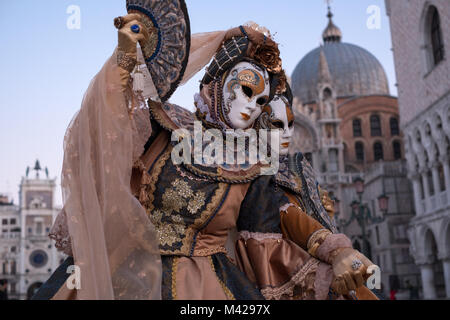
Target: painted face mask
(245, 92)
(279, 116)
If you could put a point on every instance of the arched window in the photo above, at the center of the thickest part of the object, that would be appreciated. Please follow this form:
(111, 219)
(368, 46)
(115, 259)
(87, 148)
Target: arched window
(359, 151)
(378, 151)
(397, 148)
(395, 130)
(437, 44)
(357, 130)
(375, 126)
(327, 93)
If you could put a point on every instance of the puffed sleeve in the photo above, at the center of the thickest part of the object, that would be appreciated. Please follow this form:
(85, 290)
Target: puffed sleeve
(296, 225)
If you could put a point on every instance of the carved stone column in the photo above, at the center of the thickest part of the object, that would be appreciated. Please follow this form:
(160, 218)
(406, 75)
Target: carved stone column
(415, 178)
(446, 265)
(445, 164)
(427, 273)
(436, 184)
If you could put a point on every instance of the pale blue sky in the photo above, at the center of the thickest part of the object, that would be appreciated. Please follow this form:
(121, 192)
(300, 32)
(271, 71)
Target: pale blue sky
(46, 68)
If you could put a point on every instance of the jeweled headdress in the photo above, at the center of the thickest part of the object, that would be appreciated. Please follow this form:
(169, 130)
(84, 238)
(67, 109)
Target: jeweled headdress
(248, 42)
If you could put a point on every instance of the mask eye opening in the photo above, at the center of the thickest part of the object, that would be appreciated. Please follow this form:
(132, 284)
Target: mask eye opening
(278, 124)
(247, 91)
(262, 101)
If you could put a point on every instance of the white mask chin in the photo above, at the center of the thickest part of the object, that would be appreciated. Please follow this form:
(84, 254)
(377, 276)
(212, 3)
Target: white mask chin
(282, 119)
(245, 91)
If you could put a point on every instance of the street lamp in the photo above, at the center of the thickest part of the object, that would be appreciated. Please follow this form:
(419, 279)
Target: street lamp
(361, 212)
(383, 201)
(359, 185)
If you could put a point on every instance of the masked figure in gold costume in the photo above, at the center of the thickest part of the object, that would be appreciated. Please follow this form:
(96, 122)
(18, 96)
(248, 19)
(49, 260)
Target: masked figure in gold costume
(138, 223)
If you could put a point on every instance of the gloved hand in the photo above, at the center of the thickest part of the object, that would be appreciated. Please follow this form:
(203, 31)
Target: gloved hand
(127, 44)
(350, 270)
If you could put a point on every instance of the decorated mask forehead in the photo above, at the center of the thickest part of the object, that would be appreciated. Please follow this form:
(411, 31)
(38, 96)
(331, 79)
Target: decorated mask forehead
(249, 75)
(281, 110)
(251, 79)
(246, 91)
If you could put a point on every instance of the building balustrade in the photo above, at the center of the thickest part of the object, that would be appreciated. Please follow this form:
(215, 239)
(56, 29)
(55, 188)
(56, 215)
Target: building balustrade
(331, 142)
(433, 203)
(433, 206)
(344, 178)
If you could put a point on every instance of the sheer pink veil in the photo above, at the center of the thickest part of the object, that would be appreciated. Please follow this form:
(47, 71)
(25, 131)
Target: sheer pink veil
(102, 225)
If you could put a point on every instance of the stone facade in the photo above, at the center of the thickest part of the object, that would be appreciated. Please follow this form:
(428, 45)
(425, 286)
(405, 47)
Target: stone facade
(10, 245)
(27, 255)
(424, 102)
(362, 108)
(420, 83)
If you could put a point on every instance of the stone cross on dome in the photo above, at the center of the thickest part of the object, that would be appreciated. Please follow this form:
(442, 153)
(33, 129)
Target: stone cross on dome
(332, 33)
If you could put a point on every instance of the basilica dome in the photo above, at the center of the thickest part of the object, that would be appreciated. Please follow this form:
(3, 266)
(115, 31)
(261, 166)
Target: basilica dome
(354, 70)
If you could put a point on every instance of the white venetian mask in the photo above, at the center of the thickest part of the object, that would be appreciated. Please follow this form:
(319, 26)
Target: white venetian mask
(245, 91)
(282, 118)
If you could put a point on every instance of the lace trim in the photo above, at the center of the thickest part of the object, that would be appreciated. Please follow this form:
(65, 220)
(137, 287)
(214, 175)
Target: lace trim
(286, 207)
(148, 182)
(259, 235)
(60, 234)
(311, 282)
(301, 286)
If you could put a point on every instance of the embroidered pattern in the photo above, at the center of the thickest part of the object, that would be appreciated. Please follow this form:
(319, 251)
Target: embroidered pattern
(177, 205)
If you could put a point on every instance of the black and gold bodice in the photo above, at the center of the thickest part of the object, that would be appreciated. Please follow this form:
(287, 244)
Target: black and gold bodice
(180, 204)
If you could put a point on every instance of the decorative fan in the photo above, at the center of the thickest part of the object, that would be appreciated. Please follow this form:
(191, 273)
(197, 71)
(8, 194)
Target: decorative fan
(166, 53)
